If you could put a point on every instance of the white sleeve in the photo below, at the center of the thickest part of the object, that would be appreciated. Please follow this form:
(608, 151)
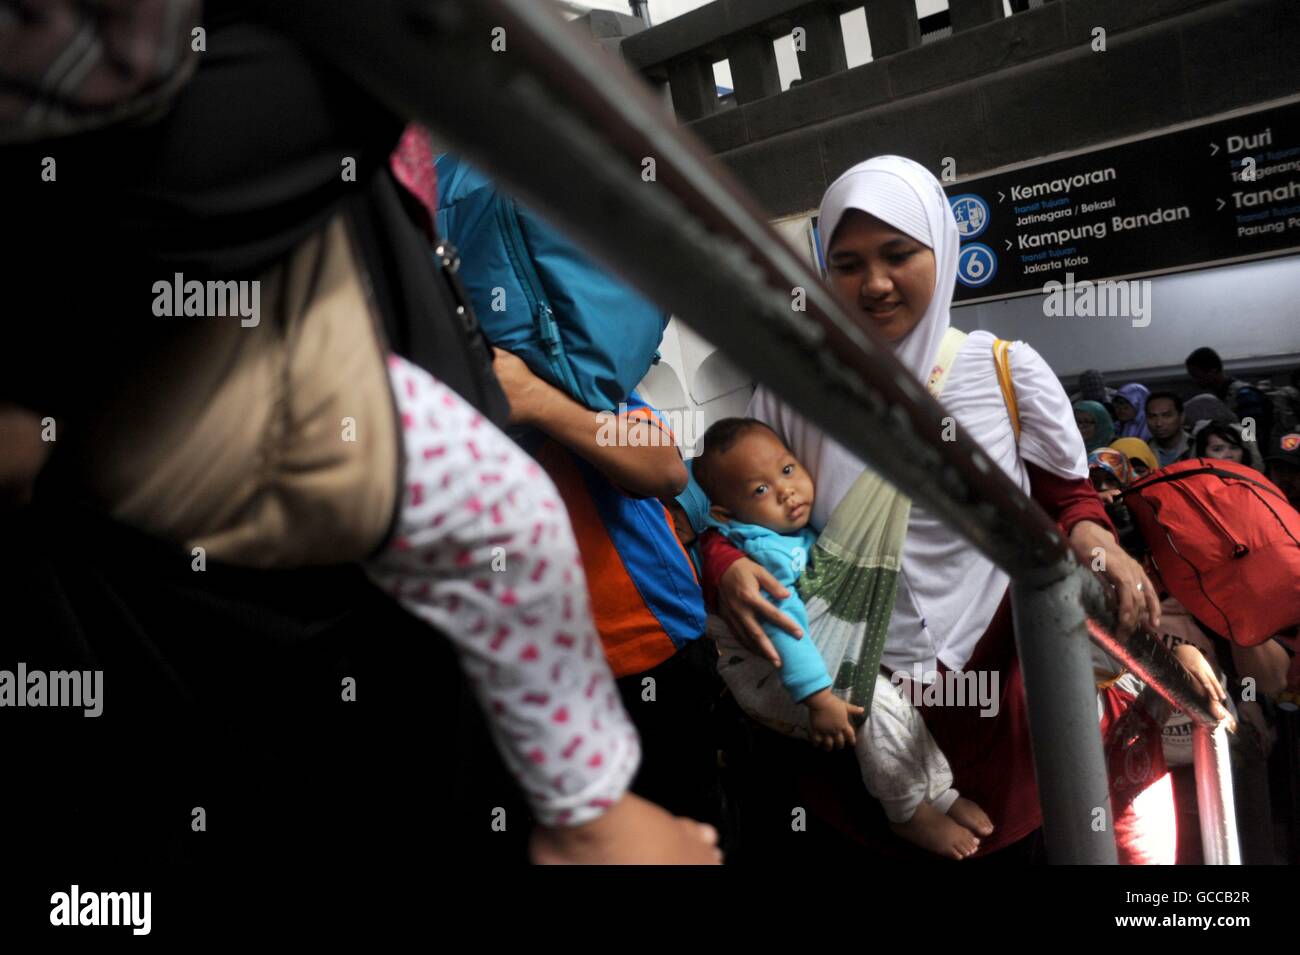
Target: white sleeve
(1049, 437)
(770, 410)
(800, 435)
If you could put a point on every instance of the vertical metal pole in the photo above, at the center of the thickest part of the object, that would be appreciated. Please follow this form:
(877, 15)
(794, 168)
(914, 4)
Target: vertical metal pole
(1214, 801)
(1061, 692)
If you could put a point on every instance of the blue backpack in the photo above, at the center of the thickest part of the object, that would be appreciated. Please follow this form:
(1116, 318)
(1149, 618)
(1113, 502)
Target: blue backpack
(539, 296)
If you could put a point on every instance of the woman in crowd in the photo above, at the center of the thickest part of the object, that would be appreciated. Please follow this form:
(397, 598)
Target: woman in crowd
(1110, 472)
(1205, 410)
(1094, 424)
(1140, 456)
(1220, 441)
(1225, 442)
(1130, 412)
(891, 245)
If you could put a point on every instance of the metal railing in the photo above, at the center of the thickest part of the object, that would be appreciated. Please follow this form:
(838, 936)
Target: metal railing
(585, 142)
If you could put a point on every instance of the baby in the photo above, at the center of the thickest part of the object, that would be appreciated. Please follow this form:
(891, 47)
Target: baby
(761, 499)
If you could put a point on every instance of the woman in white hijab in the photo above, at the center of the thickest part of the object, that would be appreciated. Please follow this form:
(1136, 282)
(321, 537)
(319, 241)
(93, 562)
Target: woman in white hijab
(890, 242)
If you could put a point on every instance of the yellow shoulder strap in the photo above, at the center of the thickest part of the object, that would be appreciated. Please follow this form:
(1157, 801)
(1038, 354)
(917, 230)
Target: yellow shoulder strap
(949, 345)
(1002, 359)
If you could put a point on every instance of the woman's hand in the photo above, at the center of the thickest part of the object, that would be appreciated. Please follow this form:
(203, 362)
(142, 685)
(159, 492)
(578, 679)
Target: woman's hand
(525, 391)
(741, 603)
(631, 832)
(1204, 679)
(1138, 601)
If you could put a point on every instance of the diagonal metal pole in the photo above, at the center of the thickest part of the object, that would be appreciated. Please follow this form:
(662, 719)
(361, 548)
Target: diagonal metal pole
(577, 136)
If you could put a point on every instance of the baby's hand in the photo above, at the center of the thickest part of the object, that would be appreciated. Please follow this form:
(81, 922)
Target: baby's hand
(829, 720)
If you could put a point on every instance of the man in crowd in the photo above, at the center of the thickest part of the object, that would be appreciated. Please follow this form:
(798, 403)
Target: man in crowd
(1205, 367)
(1165, 419)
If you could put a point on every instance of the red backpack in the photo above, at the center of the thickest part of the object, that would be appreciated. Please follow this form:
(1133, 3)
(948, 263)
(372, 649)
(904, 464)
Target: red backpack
(1225, 542)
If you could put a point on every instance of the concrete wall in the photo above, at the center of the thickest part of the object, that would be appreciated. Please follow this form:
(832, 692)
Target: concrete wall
(1249, 313)
(1012, 91)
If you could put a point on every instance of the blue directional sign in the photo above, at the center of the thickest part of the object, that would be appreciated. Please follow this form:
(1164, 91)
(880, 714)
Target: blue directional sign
(971, 213)
(976, 265)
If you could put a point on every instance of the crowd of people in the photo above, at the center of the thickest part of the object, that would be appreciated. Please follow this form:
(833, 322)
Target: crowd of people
(1133, 432)
(1211, 416)
(653, 643)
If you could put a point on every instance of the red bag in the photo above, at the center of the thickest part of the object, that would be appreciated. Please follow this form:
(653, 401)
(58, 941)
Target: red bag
(1225, 542)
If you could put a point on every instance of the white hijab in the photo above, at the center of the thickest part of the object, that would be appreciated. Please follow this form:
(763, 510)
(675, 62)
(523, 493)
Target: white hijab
(948, 591)
(903, 194)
